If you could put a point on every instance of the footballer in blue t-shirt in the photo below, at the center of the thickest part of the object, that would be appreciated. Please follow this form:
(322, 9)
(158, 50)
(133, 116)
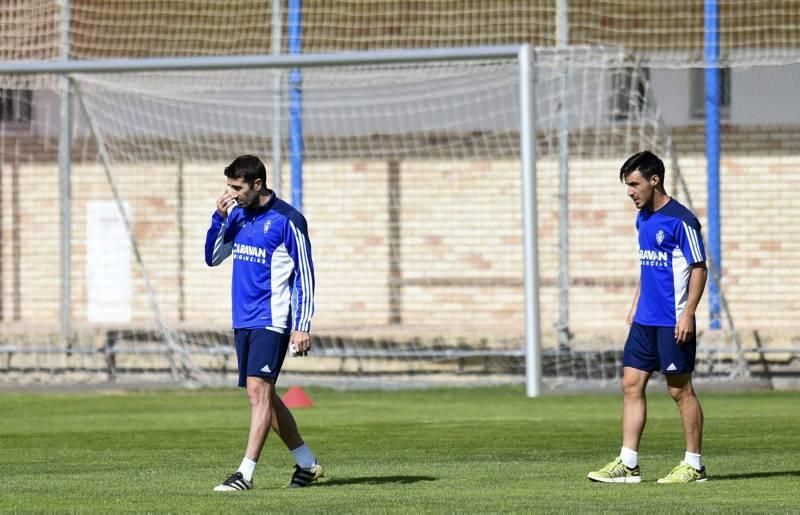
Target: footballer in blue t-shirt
(661, 319)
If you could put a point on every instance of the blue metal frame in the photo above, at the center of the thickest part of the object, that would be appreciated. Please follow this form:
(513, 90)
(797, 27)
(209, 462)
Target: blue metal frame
(712, 93)
(295, 46)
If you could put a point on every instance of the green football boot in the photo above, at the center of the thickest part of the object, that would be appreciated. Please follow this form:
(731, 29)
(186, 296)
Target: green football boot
(616, 472)
(684, 473)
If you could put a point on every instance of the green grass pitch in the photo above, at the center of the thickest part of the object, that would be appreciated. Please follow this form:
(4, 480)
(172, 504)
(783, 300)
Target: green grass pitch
(445, 450)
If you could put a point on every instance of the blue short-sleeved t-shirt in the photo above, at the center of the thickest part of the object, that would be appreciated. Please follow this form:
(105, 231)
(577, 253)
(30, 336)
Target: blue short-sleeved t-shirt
(669, 244)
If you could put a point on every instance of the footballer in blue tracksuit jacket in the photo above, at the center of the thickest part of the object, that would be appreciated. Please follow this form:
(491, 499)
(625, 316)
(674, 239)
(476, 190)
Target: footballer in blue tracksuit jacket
(273, 274)
(272, 295)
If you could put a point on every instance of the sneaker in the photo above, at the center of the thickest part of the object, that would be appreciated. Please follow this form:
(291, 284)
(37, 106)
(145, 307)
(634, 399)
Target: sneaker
(684, 473)
(616, 472)
(304, 477)
(233, 483)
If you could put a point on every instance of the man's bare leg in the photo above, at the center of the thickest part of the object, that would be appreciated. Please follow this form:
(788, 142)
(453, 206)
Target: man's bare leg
(634, 406)
(681, 389)
(260, 393)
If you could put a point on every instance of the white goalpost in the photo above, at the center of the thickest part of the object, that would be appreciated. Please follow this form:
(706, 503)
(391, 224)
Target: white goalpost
(430, 186)
(107, 132)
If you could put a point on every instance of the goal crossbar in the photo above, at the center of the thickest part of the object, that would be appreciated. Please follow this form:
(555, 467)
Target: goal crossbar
(280, 61)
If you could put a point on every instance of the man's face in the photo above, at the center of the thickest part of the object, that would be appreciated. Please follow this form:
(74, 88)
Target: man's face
(640, 189)
(246, 195)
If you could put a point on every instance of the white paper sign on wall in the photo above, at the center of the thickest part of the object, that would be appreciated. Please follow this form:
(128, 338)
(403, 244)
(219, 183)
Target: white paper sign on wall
(108, 263)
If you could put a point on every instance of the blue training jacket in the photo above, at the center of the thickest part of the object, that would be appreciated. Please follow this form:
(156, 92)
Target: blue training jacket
(273, 274)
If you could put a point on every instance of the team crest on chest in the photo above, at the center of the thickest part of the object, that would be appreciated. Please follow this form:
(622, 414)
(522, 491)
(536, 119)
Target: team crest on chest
(659, 235)
(266, 226)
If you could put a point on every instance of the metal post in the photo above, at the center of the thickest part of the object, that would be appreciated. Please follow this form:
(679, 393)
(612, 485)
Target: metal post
(16, 243)
(249, 62)
(562, 41)
(2, 236)
(395, 234)
(527, 136)
(296, 104)
(64, 161)
(277, 34)
(181, 221)
(712, 155)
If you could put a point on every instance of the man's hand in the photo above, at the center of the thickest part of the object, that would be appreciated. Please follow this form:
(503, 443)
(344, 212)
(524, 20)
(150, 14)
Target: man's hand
(224, 201)
(634, 304)
(629, 318)
(684, 329)
(300, 343)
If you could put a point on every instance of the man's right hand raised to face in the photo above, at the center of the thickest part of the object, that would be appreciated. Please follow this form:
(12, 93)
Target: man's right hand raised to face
(225, 201)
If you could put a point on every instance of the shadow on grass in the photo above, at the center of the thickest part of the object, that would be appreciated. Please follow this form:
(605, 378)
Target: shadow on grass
(375, 480)
(754, 475)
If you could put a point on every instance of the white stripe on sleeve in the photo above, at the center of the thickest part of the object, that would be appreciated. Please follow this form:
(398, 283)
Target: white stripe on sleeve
(691, 235)
(221, 250)
(304, 271)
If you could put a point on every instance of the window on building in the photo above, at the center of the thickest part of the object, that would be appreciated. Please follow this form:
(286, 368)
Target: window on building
(16, 106)
(630, 92)
(697, 92)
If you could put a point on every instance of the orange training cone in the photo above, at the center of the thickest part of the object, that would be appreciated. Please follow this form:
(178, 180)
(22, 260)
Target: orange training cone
(295, 397)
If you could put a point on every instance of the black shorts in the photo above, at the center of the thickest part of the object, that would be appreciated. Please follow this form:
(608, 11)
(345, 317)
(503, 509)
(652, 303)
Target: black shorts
(260, 353)
(652, 348)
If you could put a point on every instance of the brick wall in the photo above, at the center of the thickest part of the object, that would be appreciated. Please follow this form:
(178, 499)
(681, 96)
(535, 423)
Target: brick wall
(454, 263)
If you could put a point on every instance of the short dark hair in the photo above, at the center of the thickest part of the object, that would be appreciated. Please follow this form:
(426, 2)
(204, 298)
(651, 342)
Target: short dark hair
(247, 167)
(647, 163)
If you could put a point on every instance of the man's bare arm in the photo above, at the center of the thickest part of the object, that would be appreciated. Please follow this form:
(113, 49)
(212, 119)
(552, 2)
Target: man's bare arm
(697, 284)
(632, 311)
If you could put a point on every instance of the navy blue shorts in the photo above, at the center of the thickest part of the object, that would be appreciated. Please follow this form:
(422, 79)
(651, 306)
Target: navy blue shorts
(652, 348)
(260, 353)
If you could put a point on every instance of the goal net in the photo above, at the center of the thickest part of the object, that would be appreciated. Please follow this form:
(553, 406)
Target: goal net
(412, 188)
(668, 33)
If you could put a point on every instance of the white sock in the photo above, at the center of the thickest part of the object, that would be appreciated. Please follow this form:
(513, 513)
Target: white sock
(695, 460)
(247, 468)
(304, 457)
(629, 457)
